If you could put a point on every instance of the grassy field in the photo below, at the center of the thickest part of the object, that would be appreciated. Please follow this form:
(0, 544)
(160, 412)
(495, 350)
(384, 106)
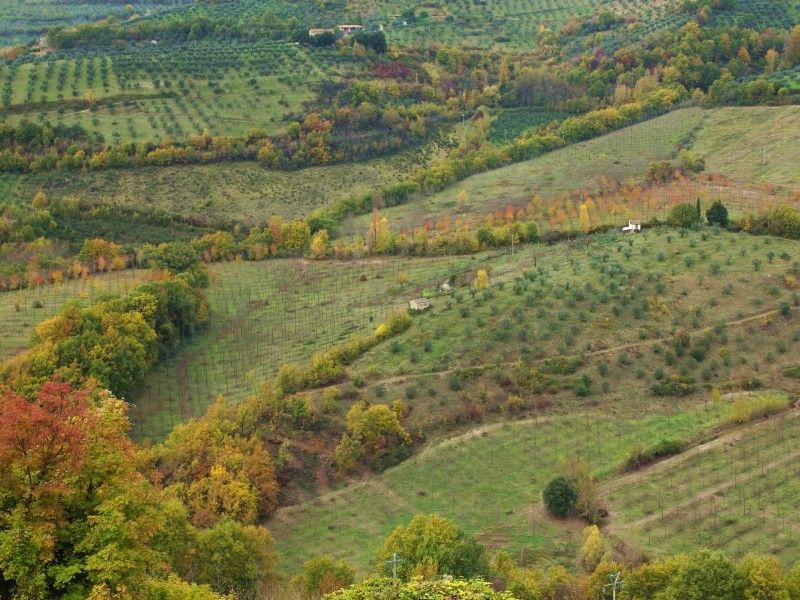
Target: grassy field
(151, 92)
(739, 495)
(245, 191)
(753, 144)
(571, 301)
(489, 481)
(460, 22)
(731, 140)
(616, 310)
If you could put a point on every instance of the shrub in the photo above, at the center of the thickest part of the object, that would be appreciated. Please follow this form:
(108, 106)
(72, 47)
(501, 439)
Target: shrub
(792, 372)
(785, 221)
(751, 383)
(560, 496)
(683, 215)
(746, 408)
(398, 321)
(454, 381)
(674, 385)
(561, 365)
(717, 214)
(639, 456)
(289, 379)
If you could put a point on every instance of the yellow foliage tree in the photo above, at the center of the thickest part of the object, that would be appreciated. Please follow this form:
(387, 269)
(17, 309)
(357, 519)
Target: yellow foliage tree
(481, 280)
(583, 218)
(319, 245)
(592, 550)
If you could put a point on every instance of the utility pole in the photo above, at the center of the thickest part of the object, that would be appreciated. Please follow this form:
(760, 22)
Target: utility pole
(396, 560)
(614, 577)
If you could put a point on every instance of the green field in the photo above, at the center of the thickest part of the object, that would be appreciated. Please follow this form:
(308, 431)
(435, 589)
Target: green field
(566, 300)
(147, 93)
(488, 480)
(739, 495)
(731, 140)
(599, 304)
(244, 191)
(619, 155)
(266, 314)
(484, 24)
(752, 145)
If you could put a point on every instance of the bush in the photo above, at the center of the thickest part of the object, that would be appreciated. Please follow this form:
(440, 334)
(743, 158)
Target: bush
(792, 372)
(692, 161)
(561, 365)
(683, 215)
(717, 214)
(560, 496)
(746, 408)
(454, 381)
(785, 221)
(639, 456)
(674, 385)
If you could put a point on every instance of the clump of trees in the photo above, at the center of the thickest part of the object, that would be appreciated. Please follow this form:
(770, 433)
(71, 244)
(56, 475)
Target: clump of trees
(575, 491)
(374, 435)
(218, 471)
(431, 547)
(81, 516)
(684, 215)
(442, 589)
(113, 342)
(321, 575)
(785, 222)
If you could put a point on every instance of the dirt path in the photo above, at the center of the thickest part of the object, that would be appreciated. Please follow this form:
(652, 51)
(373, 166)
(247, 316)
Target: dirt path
(729, 437)
(708, 492)
(479, 431)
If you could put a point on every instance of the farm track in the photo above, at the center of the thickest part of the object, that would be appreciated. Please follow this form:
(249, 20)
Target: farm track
(728, 438)
(709, 492)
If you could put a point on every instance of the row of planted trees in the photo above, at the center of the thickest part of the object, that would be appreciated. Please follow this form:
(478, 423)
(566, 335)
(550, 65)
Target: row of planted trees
(606, 205)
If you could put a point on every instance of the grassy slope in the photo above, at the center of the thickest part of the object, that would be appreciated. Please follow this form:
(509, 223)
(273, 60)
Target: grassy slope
(730, 139)
(491, 483)
(270, 313)
(739, 494)
(488, 481)
(736, 142)
(239, 191)
(618, 155)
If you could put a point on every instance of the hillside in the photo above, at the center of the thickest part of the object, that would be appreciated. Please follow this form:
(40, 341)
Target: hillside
(219, 220)
(615, 310)
(751, 145)
(239, 192)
